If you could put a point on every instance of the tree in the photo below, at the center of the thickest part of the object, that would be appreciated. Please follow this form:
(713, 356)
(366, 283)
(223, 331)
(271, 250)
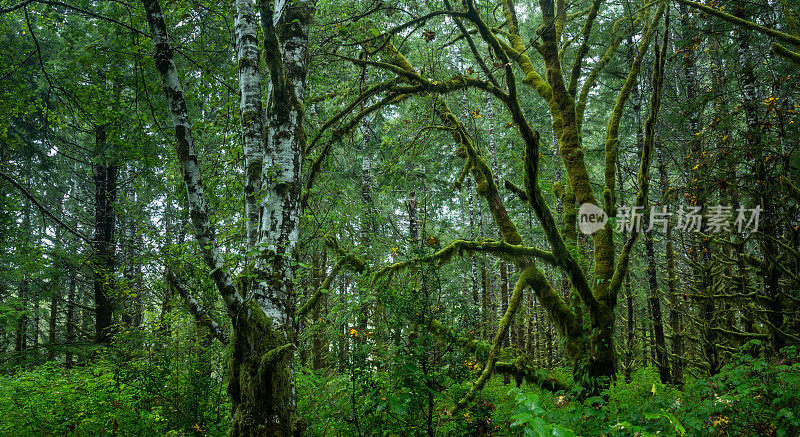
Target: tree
(261, 381)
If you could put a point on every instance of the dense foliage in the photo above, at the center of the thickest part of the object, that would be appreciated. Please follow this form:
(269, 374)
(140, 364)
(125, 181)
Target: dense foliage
(164, 395)
(345, 217)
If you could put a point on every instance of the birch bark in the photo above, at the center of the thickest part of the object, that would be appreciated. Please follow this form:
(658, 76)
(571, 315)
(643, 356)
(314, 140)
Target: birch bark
(261, 384)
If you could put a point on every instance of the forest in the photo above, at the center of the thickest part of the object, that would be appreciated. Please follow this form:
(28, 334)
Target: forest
(432, 217)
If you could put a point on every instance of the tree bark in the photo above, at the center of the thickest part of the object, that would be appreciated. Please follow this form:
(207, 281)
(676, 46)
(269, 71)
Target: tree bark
(103, 265)
(675, 309)
(261, 380)
(70, 323)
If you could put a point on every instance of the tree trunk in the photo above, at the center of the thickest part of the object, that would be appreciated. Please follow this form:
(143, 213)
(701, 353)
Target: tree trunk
(631, 329)
(672, 289)
(701, 252)
(261, 379)
(70, 323)
(105, 180)
(21, 341)
(51, 337)
(768, 269)
(473, 232)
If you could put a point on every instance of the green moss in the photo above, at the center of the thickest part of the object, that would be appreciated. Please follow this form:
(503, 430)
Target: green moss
(558, 190)
(260, 379)
(249, 117)
(245, 63)
(254, 169)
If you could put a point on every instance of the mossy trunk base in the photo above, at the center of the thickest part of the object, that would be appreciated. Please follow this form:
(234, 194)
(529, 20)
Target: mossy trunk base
(261, 381)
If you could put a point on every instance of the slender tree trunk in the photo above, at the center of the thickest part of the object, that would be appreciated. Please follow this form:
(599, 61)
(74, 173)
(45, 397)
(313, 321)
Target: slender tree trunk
(344, 343)
(21, 341)
(251, 111)
(662, 360)
(368, 228)
(767, 247)
(56, 294)
(36, 332)
(631, 329)
(701, 253)
(672, 289)
(52, 323)
(503, 266)
(105, 180)
(473, 233)
(485, 286)
(70, 323)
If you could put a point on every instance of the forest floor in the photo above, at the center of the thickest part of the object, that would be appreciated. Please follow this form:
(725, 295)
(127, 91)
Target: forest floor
(116, 396)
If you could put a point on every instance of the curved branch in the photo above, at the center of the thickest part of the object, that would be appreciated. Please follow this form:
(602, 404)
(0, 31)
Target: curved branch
(369, 92)
(197, 310)
(521, 371)
(349, 259)
(612, 129)
(786, 53)
(644, 166)
(205, 231)
(502, 249)
(83, 11)
(583, 49)
(502, 330)
(582, 98)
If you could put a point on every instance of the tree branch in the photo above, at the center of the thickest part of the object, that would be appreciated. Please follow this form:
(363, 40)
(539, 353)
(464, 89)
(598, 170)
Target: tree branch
(789, 39)
(503, 249)
(44, 210)
(187, 156)
(350, 259)
(197, 310)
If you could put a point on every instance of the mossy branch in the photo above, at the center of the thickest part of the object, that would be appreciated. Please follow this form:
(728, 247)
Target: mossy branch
(600, 65)
(790, 188)
(786, 53)
(612, 129)
(350, 259)
(515, 50)
(519, 192)
(502, 249)
(785, 37)
(366, 94)
(502, 331)
(536, 200)
(644, 165)
(474, 49)
(521, 371)
(197, 310)
(583, 49)
(357, 263)
(321, 98)
(271, 358)
(469, 344)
